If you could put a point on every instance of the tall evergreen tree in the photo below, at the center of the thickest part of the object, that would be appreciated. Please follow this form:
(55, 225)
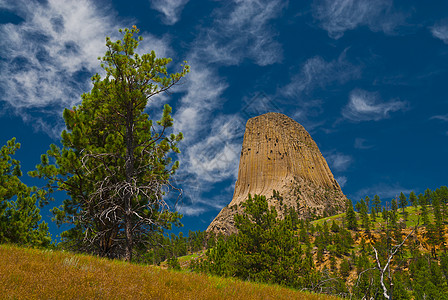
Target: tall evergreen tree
(403, 201)
(377, 203)
(19, 215)
(438, 220)
(394, 205)
(367, 201)
(423, 209)
(385, 214)
(350, 216)
(413, 199)
(428, 196)
(442, 195)
(364, 215)
(115, 162)
(265, 249)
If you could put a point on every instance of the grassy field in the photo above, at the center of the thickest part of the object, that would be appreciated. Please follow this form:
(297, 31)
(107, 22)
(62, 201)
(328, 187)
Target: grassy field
(45, 274)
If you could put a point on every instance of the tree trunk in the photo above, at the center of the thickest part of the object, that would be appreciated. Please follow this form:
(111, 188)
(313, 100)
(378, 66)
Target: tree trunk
(128, 232)
(129, 174)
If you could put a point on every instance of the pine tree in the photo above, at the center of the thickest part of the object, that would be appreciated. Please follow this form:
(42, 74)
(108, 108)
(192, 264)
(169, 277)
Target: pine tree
(428, 196)
(367, 201)
(423, 209)
(373, 215)
(19, 215)
(265, 249)
(394, 205)
(364, 215)
(115, 162)
(344, 268)
(442, 193)
(377, 203)
(438, 220)
(413, 199)
(350, 216)
(385, 214)
(334, 227)
(403, 201)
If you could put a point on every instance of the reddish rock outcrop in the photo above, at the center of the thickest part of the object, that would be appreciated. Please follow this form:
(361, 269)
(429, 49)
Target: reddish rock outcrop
(279, 154)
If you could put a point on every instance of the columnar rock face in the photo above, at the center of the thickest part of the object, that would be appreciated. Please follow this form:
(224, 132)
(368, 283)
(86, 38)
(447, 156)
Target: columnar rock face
(279, 154)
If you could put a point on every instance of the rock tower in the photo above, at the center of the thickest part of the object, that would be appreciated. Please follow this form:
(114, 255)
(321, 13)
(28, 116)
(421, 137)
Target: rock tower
(279, 154)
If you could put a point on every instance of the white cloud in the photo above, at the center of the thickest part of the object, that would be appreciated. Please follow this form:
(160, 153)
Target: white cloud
(368, 106)
(383, 190)
(242, 32)
(338, 16)
(361, 143)
(440, 31)
(200, 205)
(203, 88)
(443, 118)
(43, 54)
(171, 9)
(214, 154)
(6, 5)
(161, 46)
(214, 160)
(316, 72)
(342, 180)
(48, 59)
(339, 162)
(190, 210)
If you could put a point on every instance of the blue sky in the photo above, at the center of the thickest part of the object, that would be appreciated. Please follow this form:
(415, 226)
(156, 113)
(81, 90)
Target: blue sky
(367, 79)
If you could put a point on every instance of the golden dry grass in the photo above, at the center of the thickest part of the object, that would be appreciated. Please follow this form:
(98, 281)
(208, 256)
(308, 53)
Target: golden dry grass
(39, 274)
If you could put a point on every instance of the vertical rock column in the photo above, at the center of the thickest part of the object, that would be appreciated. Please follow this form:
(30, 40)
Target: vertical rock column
(278, 153)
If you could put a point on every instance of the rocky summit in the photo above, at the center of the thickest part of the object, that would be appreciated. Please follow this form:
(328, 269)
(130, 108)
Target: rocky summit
(279, 154)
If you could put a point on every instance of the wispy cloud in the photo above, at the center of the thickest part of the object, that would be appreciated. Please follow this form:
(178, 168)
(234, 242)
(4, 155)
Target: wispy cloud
(362, 144)
(440, 117)
(200, 205)
(368, 106)
(6, 5)
(47, 59)
(342, 180)
(241, 30)
(318, 73)
(44, 56)
(338, 161)
(338, 16)
(203, 88)
(383, 190)
(440, 31)
(171, 9)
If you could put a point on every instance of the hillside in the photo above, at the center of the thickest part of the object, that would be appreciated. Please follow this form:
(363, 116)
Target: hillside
(379, 251)
(45, 274)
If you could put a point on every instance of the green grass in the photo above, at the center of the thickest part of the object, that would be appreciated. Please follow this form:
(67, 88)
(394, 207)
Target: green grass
(44, 274)
(337, 218)
(190, 257)
(412, 217)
